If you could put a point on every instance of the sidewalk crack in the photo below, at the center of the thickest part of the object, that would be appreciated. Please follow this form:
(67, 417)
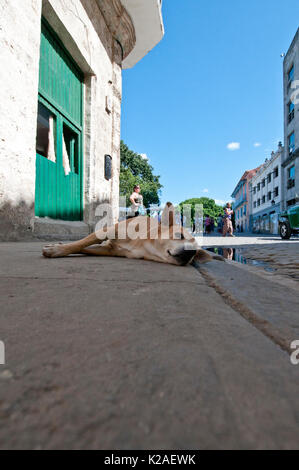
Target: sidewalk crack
(265, 327)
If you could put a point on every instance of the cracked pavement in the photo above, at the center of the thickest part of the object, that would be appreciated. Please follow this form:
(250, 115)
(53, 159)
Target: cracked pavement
(106, 353)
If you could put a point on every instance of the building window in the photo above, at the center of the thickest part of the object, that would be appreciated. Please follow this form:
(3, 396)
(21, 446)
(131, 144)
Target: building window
(241, 211)
(263, 183)
(291, 177)
(258, 202)
(46, 133)
(269, 196)
(254, 190)
(291, 172)
(276, 192)
(269, 178)
(259, 186)
(275, 172)
(291, 202)
(71, 145)
(291, 143)
(245, 210)
(291, 74)
(254, 204)
(291, 111)
(263, 199)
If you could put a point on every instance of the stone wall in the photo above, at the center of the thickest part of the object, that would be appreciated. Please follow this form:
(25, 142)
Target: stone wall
(19, 46)
(81, 26)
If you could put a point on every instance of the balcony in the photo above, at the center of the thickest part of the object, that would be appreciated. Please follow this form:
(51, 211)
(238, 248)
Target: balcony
(136, 24)
(239, 202)
(146, 16)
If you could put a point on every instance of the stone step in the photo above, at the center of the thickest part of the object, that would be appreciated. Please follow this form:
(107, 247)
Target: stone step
(60, 230)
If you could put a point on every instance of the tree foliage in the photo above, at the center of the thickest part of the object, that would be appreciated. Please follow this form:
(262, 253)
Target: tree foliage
(210, 208)
(136, 170)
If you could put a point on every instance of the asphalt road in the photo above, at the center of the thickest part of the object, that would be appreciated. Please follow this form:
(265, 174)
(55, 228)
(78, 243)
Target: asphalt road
(105, 353)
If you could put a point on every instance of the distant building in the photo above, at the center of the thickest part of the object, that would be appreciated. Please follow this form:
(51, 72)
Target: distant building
(290, 162)
(60, 101)
(266, 194)
(242, 201)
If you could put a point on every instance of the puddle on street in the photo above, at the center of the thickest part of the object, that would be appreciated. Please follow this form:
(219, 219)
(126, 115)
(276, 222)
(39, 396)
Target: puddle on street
(235, 254)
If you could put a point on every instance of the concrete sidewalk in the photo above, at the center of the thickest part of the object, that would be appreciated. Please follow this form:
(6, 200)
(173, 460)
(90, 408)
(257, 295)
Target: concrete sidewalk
(105, 353)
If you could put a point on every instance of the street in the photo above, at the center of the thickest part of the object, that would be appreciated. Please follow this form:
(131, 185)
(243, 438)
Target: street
(281, 256)
(106, 353)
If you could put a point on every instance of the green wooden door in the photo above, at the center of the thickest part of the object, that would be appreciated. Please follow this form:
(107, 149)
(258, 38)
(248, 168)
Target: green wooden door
(59, 162)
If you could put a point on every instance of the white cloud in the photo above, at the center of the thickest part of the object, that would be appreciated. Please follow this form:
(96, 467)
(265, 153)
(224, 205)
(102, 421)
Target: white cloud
(234, 146)
(205, 190)
(219, 202)
(144, 156)
(257, 144)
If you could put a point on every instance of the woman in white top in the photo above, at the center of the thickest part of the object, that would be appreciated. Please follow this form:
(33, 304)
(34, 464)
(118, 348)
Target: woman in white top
(137, 202)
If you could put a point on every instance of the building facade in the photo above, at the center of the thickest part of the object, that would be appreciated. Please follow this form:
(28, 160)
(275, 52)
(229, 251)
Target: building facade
(242, 201)
(60, 99)
(290, 163)
(266, 194)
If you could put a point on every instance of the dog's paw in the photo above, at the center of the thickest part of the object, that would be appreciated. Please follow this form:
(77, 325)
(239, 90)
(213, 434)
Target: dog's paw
(203, 256)
(218, 258)
(54, 251)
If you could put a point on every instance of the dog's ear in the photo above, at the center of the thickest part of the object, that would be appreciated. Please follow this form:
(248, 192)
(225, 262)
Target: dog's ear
(168, 215)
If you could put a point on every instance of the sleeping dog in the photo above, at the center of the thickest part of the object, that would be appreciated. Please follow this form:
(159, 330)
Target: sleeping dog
(163, 242)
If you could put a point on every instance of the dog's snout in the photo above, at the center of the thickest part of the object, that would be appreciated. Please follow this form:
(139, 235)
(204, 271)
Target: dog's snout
(185, 256)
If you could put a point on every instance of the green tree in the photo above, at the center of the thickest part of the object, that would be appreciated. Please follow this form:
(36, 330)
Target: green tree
(210, 208)
(136, 170)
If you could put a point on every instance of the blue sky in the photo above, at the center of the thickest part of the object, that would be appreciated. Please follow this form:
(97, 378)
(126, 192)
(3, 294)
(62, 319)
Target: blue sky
(215, 79)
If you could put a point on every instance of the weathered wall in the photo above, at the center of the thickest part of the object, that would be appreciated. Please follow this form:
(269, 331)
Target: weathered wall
(19, 46)
(85, 34)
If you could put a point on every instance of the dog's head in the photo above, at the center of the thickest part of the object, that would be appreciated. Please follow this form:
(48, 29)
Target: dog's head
(175, 245)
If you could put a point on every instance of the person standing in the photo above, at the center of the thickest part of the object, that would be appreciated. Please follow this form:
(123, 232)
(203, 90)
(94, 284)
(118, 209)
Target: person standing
(228, 225)
(220, 223)
(137, 202)
(208, 225)
(212, 224)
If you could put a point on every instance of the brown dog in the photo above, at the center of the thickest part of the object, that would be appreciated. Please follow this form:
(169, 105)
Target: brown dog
(163, 242)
